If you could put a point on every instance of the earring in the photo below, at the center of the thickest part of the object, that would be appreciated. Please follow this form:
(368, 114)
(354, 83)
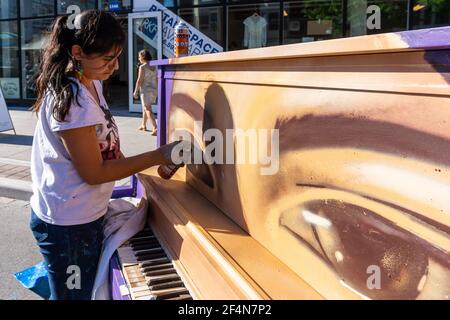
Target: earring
(79, 71)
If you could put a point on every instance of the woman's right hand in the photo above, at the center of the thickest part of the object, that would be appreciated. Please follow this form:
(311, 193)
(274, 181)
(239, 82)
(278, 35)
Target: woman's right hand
(172, 153)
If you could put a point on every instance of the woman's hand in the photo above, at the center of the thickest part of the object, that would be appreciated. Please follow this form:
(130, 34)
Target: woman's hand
(136, 95)
(175, 153)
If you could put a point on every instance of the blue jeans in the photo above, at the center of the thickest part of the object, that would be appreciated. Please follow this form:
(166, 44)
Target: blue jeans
(71, 254)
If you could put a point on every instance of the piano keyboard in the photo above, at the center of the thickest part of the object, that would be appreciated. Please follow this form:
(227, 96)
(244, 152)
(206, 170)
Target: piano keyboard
(149, 273)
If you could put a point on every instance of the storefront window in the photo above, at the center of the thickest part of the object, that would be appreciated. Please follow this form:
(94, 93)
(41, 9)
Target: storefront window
(253, 26)
(33, 39)
(9, 60)
(167, 3)
(188, 3)
(306, 21)
(35, 8)
(82, 4)
(430, 13)
(206, 20)
(8, 9)
(393, 16)
(119, 5)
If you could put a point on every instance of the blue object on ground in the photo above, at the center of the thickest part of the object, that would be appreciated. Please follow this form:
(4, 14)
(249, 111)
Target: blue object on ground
(35, 279)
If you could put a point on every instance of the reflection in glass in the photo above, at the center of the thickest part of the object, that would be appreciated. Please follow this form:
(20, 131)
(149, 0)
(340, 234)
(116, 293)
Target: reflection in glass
(9, 60)
(167, 3)
(253, 26)
(187, 3)
(306, 21)
(33, 39)
(206, 20)
(393, 16)
(8, 9)
(123, 4)
(427, 14)
(37, 8)
(82, 4)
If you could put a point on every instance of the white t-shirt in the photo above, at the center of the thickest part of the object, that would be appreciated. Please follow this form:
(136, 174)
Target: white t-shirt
(60, 195)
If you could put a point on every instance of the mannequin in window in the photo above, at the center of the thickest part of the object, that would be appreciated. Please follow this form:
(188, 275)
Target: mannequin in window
(255, 33)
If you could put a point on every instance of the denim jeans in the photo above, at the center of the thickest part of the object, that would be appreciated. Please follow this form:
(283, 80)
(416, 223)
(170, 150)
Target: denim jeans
(71, 255)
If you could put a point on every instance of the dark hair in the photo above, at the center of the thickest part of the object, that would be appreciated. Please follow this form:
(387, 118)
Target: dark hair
(97, 32)
(145, 54)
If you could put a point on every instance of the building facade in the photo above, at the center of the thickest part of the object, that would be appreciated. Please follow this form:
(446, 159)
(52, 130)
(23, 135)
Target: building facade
(233, 24)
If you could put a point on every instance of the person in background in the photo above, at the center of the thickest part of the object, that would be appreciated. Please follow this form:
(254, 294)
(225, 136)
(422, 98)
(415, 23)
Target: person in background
(147, 87)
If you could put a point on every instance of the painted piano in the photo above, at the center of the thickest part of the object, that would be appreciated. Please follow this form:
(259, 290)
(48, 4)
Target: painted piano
(357, 205)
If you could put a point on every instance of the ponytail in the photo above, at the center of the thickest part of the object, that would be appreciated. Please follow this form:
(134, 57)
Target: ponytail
(54, 70)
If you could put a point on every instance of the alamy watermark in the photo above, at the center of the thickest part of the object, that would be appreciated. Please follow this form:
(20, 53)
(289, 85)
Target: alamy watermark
(374, 20)
(374, 280)
(253, 146)
(72, 21)
(74, 280)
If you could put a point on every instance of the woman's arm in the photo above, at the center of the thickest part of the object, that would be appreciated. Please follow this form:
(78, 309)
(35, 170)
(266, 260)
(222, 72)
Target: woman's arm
(139, 81)
(81, 143)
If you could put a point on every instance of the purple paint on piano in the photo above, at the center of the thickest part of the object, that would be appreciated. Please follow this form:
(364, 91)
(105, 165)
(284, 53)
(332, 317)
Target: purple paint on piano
(434, 38)
(116, 280)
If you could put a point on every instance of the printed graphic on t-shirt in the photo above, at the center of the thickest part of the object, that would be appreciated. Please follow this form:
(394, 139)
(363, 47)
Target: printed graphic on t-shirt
(108, 137)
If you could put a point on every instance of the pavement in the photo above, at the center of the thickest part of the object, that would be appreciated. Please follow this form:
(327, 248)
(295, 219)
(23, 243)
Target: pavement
(18, 249)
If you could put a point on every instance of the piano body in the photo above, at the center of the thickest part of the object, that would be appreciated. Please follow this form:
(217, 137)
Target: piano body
(359, 206)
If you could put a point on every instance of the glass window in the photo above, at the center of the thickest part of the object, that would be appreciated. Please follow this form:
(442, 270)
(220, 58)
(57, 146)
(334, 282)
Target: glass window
(120, 5)
(82, 4)
(9, 60)
(306, 21)
(253, 26)
(167, 3)
(430, 13)
(37, 8)
(8, 9)
(189, 3)
(206, 20)
(33, 39)
(393, 16)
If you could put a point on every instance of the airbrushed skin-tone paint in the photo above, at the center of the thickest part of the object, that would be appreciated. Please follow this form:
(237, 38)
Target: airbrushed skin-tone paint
(364, 157)
(181, 46)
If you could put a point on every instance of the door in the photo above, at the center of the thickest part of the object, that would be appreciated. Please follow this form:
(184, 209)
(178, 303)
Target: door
(144, 32)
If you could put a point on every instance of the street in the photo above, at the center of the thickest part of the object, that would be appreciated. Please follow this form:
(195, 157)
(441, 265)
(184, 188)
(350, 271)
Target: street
(17, 247)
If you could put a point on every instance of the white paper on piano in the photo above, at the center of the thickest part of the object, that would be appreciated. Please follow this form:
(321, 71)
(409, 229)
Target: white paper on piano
(122, 221)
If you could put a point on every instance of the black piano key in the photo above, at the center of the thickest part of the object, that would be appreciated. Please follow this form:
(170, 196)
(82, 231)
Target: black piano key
(161, 279)
(181, 297)
(143, 235)
(167, 285)
(154, 262)
(140, 253)
(150, 256)
(170, 294)
(142, 239)
(145, 245)
(156, 267)
(160, 272)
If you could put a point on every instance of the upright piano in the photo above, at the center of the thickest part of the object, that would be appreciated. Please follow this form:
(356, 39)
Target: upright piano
(348, 198)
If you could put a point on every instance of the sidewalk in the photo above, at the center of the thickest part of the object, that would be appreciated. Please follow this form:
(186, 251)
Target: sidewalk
(15, 150)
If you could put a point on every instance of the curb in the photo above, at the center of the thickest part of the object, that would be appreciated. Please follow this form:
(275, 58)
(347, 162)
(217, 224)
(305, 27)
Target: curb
(15, 189)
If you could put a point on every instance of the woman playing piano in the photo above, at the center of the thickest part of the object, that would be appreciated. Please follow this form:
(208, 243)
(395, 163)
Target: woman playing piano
(76, 155)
